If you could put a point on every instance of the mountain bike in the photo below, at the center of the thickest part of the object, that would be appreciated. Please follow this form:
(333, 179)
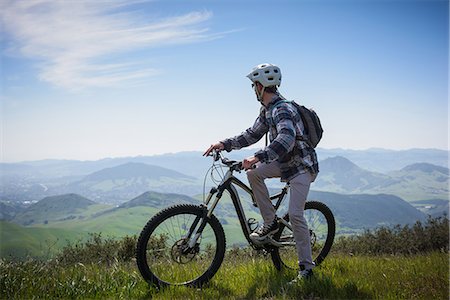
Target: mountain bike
(185, 244)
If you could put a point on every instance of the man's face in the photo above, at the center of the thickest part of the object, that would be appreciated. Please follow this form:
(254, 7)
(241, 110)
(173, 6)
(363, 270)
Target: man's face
(257, 87)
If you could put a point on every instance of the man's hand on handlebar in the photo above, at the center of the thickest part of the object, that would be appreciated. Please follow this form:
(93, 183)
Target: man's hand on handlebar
(217, 146)
(249, 162)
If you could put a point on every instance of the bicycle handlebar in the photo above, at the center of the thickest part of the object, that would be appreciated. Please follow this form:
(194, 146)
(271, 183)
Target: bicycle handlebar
(232, 164)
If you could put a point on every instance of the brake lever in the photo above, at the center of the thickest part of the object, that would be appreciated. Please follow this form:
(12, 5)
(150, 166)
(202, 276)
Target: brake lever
(238, 167)
(216, 155)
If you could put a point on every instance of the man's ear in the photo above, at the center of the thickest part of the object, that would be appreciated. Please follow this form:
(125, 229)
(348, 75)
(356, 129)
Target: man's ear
(259, 85)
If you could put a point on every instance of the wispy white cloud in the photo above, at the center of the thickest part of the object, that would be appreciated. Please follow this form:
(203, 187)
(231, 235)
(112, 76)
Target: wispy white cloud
(80, 44)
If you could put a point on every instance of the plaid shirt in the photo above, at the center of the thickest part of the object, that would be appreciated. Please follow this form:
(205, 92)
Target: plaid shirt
(284, 125)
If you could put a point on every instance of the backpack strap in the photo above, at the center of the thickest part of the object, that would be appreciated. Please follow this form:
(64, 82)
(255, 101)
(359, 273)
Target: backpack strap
(303, 137)
(280, 102)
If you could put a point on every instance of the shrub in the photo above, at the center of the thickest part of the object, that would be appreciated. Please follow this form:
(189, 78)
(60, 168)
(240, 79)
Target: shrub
(420, 238)
(98, 250)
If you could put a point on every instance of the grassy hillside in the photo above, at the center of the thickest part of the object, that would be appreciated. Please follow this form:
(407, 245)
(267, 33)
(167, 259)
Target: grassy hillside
(19, 241)
(240, 277)
(358, 212)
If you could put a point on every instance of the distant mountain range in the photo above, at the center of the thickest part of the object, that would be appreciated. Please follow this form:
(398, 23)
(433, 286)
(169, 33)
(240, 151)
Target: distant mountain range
(194, 164)
(115, 181)
(112, 185)
(134, 170)
(117, 184)
(420, 181)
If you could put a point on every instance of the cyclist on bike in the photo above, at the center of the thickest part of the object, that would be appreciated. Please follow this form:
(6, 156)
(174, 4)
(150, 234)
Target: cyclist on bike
(286, 157)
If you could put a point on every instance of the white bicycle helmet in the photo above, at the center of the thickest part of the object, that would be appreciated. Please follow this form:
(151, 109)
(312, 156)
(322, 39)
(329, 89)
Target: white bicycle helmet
(266, 74)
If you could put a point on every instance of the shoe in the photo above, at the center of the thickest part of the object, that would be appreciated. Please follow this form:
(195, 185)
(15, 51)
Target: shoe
(302, 275)
(264, 231)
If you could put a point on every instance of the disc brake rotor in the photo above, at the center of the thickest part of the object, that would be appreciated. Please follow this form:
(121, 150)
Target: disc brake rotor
(182, 254)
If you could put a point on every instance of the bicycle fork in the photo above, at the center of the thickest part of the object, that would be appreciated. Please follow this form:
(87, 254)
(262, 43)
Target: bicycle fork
(195, 231)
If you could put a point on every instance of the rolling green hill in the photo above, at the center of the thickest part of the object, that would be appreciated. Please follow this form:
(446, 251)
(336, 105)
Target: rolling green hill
(58, 208)
(118, 184)
(355, 213)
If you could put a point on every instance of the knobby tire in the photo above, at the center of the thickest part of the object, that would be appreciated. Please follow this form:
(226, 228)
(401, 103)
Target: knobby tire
(149, 231)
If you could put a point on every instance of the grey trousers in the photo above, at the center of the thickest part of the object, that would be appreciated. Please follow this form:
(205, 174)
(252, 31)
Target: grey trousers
(298, 193)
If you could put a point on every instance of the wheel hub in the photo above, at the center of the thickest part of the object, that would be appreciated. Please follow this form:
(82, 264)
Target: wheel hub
(182, 254)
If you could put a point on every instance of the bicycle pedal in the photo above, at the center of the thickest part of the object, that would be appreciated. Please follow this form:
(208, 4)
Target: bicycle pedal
(271, 241)
(266, 240)
(259, 242)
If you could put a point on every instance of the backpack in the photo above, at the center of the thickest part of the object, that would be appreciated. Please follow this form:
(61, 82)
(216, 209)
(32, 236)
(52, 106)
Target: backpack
(311, 122)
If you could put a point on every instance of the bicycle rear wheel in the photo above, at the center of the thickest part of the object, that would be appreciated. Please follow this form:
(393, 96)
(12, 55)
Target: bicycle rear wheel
(164, 256)
(322, 229)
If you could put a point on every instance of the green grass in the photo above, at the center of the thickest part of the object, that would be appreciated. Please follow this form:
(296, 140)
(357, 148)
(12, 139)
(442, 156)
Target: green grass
(19, 241)
(244, 277)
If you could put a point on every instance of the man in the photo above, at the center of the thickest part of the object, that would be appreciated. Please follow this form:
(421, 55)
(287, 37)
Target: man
(286, 157)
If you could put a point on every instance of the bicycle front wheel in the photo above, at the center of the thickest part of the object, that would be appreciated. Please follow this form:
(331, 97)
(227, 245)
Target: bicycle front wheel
(165, 252)
(322, 227)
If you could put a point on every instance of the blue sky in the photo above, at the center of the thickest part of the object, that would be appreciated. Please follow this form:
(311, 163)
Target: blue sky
(94, 79)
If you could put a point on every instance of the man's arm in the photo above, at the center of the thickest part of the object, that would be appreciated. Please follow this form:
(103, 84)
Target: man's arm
(249, 136)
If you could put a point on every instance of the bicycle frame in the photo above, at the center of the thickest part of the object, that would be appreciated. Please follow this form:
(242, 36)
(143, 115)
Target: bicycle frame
(229, 183)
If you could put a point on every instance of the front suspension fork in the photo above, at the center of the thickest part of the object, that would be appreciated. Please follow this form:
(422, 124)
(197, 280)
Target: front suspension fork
(194, 231)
